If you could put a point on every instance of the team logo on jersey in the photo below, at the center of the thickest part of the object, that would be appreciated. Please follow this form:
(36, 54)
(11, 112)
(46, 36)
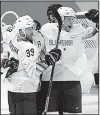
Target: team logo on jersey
(61, 42)
(13, 48)
(73, 36)
(20, 88)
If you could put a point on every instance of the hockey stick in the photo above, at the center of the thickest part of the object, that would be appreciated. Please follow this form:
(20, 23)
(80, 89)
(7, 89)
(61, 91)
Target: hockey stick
(57, 16)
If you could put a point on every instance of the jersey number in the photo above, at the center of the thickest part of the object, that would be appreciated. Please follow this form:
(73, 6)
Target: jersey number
(30, 52)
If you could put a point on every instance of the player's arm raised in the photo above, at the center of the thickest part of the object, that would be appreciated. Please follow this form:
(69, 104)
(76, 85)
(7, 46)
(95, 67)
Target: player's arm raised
(90, 32)
(92, 15)
(5, 35)
(4, 55)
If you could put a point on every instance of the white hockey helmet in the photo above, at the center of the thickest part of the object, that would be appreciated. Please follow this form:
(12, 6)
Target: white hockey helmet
(23, 23)
(66, 12)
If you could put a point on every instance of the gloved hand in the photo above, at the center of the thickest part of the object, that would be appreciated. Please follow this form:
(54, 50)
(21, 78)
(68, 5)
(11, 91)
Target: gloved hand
(53, 56)
(13, 64)
(6, 63)
(93, 15)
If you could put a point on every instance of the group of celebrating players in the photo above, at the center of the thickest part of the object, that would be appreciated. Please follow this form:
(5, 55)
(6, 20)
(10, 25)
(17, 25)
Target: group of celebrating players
(29, 53)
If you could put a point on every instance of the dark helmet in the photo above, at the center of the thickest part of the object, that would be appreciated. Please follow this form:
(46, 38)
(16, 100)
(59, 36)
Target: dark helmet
(49, 11)
(38, 25)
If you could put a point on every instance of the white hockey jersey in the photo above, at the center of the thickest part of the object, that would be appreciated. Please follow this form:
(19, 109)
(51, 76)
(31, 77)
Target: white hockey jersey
(24, 80)
(73, 61)
(39, 42)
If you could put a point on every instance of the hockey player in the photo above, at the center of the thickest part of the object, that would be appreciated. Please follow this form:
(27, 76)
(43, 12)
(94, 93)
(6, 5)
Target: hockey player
(5, 33)
(66, 94)
(23, 84)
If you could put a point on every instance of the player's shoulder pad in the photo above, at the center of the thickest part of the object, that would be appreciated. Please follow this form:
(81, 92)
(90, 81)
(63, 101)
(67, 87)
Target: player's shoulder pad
(48, 28)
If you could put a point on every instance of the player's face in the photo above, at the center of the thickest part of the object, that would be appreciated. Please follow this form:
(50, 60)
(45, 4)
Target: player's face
(29, 32)
(68, 23)
(51, 17)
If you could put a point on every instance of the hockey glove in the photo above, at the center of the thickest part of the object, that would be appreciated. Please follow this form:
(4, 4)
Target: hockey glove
(93, 15)
(13, 66)
(6, 63)
(53, 56)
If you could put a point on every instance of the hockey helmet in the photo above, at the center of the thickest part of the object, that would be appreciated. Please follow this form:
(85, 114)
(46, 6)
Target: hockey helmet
(66, 12)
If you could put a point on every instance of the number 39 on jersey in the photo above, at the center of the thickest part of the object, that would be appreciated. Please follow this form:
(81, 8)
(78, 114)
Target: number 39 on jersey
(30, 52)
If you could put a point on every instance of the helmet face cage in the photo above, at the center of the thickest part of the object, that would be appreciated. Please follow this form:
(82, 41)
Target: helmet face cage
(49, 12)
(24, 34)
(23, 23)
(71, 19)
